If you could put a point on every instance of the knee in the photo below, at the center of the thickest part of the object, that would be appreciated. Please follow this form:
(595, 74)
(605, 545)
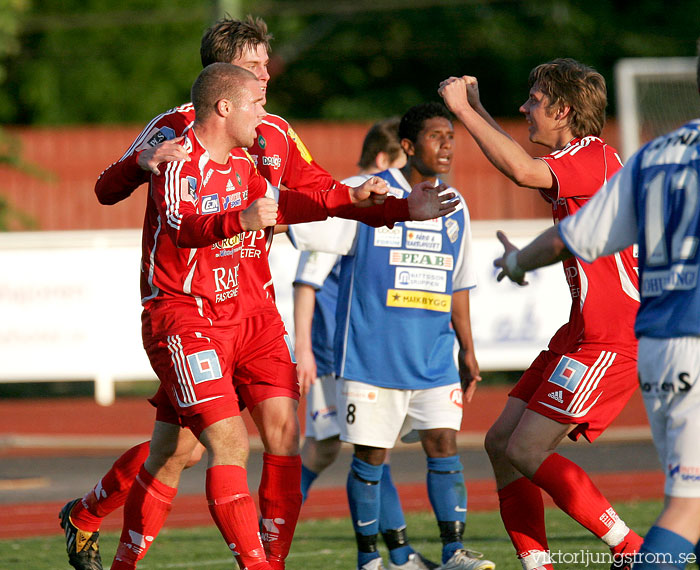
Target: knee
(327, 450)
(195, 456)
(439, 442)
(518, 453)
(495, 443)
(281, 437)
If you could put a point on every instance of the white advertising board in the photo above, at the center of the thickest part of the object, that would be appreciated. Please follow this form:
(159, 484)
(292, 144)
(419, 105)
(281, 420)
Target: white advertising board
(70, 305)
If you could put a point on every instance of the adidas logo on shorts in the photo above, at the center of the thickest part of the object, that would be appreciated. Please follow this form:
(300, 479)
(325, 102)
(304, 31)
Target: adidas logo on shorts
(557, 395)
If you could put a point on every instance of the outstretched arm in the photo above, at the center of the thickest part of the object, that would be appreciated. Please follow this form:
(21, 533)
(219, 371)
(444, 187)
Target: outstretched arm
(461, 95)
(545, 249)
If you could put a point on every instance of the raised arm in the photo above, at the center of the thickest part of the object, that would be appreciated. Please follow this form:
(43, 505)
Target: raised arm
(461, 95)
(155, 145)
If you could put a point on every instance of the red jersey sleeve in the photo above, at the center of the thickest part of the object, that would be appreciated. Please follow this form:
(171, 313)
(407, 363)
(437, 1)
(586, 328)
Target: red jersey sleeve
(172, 193)
(581, 168)
(302, 172)
(120, 179)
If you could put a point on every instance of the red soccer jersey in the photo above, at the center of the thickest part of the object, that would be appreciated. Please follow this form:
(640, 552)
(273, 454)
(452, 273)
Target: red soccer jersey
(283, 159)
(192, 236)
(604, 293)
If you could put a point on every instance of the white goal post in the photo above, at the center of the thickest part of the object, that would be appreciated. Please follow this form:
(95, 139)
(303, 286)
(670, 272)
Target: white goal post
(654, 96)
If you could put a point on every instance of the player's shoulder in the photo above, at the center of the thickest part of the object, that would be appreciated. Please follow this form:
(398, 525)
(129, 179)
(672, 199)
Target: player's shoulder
(582, 147)
(274, 123)
(180, 115)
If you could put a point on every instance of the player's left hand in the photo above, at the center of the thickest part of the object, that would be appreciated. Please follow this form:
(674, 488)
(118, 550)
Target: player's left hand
(507, 263)
(372, 192)
(469, 373)
(427, 202)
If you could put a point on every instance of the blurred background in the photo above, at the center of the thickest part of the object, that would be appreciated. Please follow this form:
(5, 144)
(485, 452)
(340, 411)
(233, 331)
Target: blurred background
(80, 78)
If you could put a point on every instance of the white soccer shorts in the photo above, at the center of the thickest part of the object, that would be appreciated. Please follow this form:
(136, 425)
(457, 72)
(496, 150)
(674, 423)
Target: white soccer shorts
(374, 416)
(669, 371)
(321, 409)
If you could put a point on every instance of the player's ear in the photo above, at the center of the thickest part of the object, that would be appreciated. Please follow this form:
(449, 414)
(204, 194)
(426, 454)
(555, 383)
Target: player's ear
(223, 107)
(408, 147)
(562, 113)
(382, 161)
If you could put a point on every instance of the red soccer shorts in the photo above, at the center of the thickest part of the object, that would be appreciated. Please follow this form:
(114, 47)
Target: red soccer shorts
(265, 367)
(588, 387)
(194, 370)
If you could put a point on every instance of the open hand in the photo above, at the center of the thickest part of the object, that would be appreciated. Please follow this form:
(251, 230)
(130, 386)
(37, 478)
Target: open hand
(510, 270)
(426, 202)
(167, 151)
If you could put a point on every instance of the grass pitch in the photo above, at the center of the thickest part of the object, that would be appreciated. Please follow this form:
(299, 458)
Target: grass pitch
(324, 544)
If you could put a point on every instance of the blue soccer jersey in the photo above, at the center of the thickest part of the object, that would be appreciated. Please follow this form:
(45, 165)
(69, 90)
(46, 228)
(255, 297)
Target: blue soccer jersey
(653, 201)
(395, 296)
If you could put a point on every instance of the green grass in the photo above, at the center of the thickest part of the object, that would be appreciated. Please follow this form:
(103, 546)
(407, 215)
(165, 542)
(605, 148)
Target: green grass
(324, 544)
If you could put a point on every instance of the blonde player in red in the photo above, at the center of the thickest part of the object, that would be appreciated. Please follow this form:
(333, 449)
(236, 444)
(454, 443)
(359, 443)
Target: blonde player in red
(581, 382)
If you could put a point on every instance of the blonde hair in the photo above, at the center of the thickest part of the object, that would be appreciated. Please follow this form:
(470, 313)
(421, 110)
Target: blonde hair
(566, 82)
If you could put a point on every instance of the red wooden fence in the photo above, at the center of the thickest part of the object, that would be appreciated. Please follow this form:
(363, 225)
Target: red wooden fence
(74, 158)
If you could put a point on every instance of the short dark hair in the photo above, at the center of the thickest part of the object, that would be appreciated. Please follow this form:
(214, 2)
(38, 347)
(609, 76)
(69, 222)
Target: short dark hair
(414, 119)
(566, 82)
(215, 82)
(228, 37)
(381, 137)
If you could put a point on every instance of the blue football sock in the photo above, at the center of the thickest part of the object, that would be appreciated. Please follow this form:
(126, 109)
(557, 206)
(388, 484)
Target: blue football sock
(448, 497)
(363, 488)
(392, 523)
(307, 478)
(663, 548)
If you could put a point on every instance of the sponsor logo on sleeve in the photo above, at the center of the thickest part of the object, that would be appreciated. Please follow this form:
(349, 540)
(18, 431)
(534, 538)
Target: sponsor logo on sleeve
(419, 300)
(452, 229)
(430, 241)
(210, 204)
(420, 259)
(157, 136)
(188, 187)
(385, 237)
(426, 279)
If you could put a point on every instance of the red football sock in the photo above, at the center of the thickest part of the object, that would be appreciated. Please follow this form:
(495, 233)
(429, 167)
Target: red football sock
(576, 495)
(522, 511)
(280, 499)
(110, 492)
(233, 511)
(146, 508)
